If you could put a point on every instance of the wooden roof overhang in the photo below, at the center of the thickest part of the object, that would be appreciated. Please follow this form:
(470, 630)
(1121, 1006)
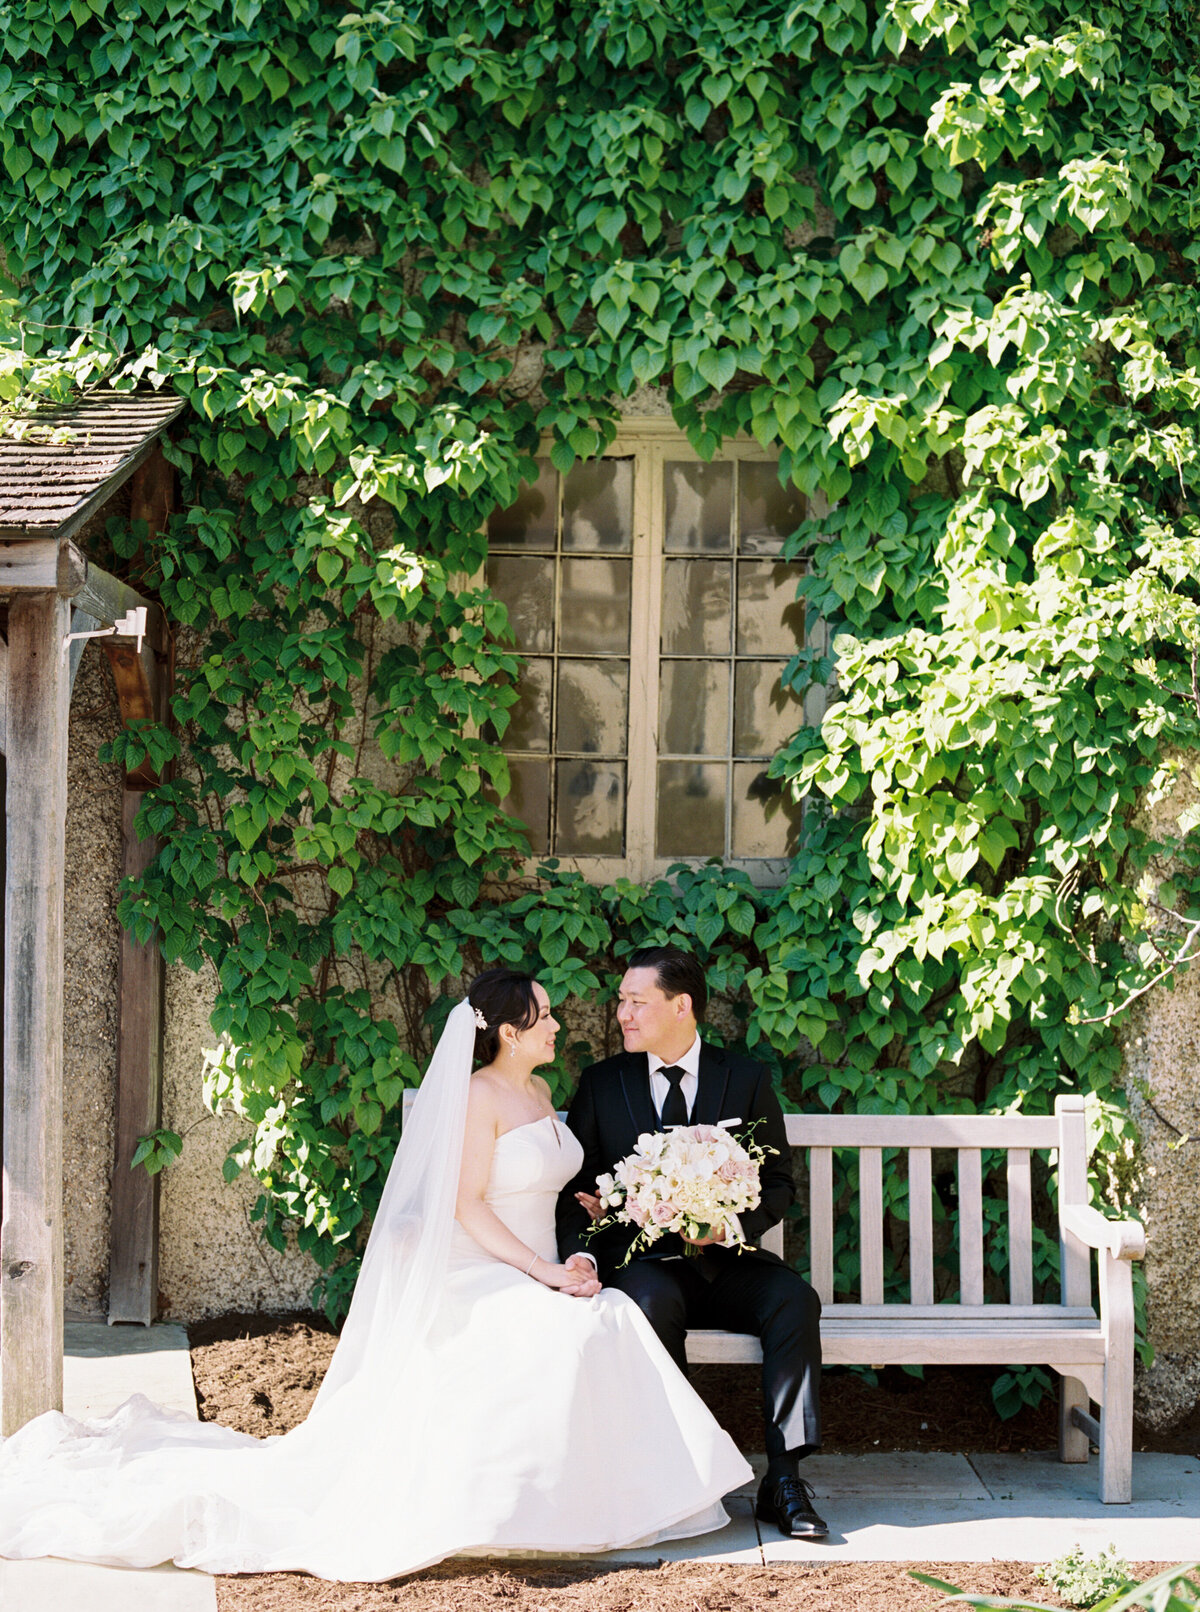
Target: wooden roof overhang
(64, 466)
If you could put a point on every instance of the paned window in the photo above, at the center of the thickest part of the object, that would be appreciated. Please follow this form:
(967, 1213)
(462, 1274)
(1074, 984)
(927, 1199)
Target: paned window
(647, 592)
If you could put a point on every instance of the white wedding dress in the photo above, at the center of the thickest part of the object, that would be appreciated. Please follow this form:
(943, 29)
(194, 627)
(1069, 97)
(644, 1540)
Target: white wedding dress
(519, 1420)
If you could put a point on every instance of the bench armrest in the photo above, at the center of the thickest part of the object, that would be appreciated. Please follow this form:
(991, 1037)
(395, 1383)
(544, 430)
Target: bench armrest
(1125, 1239)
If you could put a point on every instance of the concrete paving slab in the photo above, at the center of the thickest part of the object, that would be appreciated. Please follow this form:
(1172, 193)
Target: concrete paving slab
(738, 1542)
(1036, 1508)
(103, 1365)
(1171, 1482)
(48, 1585)
(928, 1475)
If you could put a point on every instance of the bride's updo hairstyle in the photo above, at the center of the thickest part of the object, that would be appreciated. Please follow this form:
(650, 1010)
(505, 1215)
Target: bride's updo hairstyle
(503, 996)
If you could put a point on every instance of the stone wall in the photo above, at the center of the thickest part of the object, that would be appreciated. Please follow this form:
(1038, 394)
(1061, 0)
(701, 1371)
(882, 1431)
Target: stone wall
(211, 1258)
(1161, 1048)
(90, 945)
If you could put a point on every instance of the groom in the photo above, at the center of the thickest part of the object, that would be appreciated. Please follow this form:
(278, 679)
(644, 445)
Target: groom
(668, 1076)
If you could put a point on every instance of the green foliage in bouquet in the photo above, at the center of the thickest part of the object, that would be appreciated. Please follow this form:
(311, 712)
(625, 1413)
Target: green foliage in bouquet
(941, 256)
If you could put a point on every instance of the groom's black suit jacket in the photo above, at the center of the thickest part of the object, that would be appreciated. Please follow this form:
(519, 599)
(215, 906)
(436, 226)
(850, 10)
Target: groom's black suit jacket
(613, 1107)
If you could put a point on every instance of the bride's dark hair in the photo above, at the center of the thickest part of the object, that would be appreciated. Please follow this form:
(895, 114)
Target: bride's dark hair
(503, 996)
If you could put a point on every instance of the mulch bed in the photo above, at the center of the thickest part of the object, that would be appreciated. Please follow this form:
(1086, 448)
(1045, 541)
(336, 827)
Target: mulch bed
(260, 1374)
(673, 1587)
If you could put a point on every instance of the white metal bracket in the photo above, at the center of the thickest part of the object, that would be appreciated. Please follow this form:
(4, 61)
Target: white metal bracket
(131, 625)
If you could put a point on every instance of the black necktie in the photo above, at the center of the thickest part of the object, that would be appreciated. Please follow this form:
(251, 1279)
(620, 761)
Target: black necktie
(674, 1109)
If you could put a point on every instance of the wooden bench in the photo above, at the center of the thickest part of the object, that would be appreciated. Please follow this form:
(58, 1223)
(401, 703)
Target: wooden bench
(1092, 1353)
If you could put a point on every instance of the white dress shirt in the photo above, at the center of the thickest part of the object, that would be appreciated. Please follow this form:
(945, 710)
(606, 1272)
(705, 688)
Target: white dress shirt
(660, 1085)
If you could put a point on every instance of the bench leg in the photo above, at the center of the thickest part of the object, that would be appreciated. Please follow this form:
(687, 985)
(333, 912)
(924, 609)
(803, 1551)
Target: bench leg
(1116, 1416)
(1072, 1440)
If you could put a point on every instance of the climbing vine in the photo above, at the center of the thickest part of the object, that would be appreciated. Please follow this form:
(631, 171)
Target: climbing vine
(941, 256)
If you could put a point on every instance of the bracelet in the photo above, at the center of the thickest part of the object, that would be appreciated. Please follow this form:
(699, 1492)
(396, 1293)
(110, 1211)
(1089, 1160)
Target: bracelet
(532, 1263)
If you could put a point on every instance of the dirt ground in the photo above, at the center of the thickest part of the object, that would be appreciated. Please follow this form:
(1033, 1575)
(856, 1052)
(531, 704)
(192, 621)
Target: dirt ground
(674, 1587)
(260, 1374)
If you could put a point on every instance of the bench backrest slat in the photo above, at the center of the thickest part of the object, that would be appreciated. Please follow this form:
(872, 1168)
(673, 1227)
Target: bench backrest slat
(870, 1210)
(820, 1222)
(970, 1226)
(920, 1226)
(968, 1135)
(922, 1130)
(1020, 1227)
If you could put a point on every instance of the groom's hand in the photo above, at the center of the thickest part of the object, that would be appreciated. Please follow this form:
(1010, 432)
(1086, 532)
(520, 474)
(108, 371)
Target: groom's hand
(704, 1242)
(591, 1203)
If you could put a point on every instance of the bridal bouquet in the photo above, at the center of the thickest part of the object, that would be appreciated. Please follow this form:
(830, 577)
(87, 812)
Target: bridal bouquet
(692, 1179)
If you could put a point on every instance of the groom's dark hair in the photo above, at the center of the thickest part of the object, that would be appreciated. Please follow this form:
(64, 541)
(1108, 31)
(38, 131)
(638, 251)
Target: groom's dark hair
(677, 971)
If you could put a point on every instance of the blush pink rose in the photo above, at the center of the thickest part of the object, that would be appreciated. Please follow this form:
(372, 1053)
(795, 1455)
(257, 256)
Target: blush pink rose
(729, 1171)
(663, 1214)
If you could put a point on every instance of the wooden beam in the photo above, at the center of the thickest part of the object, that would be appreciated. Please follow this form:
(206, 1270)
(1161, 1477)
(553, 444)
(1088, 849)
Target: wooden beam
(31, 1273)
(133, 1255)
(40, 564)
(47, 565)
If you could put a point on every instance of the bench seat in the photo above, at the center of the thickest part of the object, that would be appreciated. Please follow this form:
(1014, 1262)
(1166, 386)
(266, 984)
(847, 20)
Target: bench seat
(902, 1341)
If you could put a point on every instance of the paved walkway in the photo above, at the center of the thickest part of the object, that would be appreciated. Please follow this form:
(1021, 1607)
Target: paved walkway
(904, 1507)
(102, 1366)
(966, 1508)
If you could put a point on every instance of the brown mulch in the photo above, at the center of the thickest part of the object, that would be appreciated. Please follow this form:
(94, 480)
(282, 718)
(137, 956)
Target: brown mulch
(673, 1587)
(260, 1374)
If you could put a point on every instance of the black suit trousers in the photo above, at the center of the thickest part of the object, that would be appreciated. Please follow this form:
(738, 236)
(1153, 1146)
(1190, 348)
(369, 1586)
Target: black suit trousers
(741, 1293)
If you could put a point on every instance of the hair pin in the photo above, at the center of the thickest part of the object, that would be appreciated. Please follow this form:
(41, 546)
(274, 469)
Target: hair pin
(480, 1020)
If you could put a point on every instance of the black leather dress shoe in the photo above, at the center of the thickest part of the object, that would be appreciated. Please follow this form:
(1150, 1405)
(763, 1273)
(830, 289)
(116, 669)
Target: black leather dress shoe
(787, 1502)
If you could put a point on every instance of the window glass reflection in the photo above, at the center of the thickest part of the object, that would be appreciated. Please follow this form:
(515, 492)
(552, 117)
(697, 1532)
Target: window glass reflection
(770, 619)
(529, 799)
(767, 512)
(764, 713)
(699, 507)
(526, 587)
(691, 808)
(595, 606)
(695, 607)
(529, 718)
(598, 505)
(693, 708)
(530, 522)
(766, 821)
(590, 814)
(593, 706)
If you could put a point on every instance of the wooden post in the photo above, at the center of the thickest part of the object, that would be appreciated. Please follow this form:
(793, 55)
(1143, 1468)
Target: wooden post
(143, 687)
(133, 1257)
(31, 1277)
(152, 491)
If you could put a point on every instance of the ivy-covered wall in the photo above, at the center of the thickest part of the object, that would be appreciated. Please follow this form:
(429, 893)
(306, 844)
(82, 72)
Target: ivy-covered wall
(941, 255)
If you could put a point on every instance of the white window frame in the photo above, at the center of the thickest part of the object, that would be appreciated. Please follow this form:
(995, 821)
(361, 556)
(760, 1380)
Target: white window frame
(652, 442)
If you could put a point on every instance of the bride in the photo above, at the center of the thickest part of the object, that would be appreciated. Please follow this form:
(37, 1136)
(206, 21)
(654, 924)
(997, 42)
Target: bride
(483, 1397)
